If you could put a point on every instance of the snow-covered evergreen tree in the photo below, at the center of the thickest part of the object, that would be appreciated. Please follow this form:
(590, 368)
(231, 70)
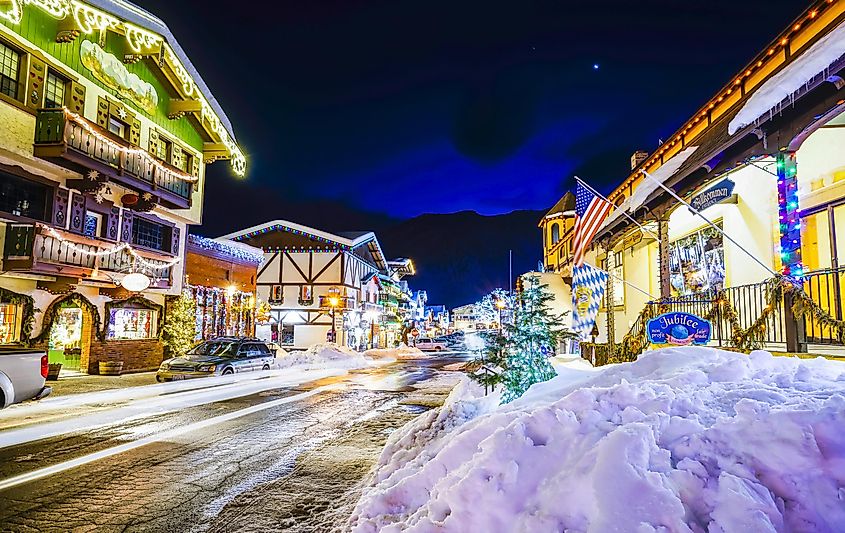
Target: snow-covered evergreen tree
(532, 339)
(518, 353)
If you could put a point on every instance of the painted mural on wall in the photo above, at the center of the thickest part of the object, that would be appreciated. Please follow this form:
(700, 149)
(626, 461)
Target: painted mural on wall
(113, 73)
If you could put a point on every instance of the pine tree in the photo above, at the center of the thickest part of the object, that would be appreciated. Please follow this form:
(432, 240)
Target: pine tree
(180, 325)
(532, 338)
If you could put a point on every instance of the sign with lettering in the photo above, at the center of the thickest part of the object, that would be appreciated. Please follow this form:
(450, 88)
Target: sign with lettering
(713, 195)
(681, 329)
(632, 239)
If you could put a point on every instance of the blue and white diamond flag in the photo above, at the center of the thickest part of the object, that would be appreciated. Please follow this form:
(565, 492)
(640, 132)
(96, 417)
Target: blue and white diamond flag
(588, 284)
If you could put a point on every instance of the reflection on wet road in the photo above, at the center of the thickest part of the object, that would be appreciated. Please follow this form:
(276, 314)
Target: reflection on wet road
(281, 459)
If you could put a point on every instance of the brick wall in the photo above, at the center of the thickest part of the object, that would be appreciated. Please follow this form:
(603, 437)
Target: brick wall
(137, 355)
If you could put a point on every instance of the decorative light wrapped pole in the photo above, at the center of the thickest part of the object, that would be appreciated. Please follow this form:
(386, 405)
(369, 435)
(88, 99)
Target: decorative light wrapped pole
(788, 216)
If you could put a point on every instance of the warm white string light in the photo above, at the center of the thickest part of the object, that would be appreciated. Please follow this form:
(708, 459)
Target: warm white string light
(130, 151)
(111, 251)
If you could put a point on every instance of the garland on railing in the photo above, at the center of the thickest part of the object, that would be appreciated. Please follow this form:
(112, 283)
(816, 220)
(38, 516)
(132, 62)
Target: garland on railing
(753, 337)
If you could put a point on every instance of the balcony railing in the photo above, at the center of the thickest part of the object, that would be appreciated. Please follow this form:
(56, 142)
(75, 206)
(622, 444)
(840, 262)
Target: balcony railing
(32, 249)
(73, 146)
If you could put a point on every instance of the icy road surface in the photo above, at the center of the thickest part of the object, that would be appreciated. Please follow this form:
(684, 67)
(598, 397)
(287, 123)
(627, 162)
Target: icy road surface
(282, 452)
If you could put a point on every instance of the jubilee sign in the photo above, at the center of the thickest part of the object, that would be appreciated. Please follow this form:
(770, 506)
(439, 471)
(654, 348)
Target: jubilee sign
(713, 195)
(681, 329)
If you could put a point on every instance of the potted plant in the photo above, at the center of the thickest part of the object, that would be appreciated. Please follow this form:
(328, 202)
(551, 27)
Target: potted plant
(53, 371)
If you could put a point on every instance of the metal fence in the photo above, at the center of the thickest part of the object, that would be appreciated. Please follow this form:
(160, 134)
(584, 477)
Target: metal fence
(825, 287)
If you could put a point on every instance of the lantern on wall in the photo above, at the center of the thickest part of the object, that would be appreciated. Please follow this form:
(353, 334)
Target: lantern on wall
(135, 282)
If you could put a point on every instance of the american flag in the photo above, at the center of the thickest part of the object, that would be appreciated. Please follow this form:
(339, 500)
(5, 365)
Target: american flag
(591, 212)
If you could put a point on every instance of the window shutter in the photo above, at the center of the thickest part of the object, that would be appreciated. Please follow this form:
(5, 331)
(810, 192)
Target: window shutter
(153, 143)
(126, 229)
(174, 245)
(60, 201)
(75, 97)
(77, 213)
(102, 112)
(113, 224)
(135, 132)
(35, 82)
(195, 166)
(176, 156)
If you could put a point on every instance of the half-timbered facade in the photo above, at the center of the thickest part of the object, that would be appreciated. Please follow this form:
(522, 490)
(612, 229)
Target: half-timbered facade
(303, 266)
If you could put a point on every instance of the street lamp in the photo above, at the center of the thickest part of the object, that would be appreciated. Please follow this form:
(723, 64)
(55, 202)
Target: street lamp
(501, 304)
(333, 301)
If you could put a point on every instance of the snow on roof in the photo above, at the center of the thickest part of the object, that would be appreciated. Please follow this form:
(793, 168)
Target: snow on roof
(647, 186)
(792, 78)
(143, 18)
(285, 224)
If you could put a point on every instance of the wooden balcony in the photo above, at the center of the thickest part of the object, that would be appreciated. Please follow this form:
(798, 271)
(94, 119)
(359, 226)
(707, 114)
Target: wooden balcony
(67, 143)
(31, 248)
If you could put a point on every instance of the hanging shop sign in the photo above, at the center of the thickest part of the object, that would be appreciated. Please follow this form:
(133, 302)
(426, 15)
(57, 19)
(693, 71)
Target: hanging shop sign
(680, 329)
(713, 195)
(632, 239)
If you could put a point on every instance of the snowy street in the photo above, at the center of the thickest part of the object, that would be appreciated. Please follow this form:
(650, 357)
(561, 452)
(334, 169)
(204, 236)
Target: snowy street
(271, 451)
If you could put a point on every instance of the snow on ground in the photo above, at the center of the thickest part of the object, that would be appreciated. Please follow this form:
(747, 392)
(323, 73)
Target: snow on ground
(399, 353)
(684, 439)
(324, 355)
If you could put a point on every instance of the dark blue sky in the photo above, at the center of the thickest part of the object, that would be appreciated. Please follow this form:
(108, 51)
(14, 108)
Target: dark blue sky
(401, 108)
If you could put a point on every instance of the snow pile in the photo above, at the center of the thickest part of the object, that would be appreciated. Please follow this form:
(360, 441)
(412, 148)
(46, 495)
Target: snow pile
(324, 355)
(792, 78)
(684, 439)
(402, 351)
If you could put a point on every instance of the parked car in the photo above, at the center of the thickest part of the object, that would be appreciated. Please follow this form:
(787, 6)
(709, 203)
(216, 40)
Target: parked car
(429, 345)
(23, 373)
(218, 357)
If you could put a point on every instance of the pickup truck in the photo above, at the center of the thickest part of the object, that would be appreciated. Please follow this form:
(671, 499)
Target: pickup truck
(23, 373)
(429, 345)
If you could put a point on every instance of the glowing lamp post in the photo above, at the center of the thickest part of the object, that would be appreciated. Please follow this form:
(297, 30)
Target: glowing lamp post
(501, 305)
(333, 301)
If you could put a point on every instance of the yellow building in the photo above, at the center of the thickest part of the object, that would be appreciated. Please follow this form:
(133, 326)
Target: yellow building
(557, 226)
(107, 128)
(764, 159)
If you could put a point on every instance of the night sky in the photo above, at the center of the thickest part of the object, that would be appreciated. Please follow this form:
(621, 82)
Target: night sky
(371, 108)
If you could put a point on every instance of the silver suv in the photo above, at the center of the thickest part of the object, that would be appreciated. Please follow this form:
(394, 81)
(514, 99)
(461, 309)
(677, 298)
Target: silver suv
(218, 357)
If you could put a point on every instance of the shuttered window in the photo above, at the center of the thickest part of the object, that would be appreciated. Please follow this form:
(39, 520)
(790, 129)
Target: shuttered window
(9, 70)
(54, 91)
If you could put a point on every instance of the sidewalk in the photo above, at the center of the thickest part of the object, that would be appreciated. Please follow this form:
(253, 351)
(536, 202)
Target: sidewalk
(71, 382)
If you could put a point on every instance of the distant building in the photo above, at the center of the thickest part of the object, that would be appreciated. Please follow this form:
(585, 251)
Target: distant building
(464, 318)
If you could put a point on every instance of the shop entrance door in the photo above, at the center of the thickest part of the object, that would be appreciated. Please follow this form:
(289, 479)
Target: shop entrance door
(823, 253)
(65, 345)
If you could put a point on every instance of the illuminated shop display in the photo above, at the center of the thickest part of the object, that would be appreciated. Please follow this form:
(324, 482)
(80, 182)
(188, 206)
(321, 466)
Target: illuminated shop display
(697, 262)
(132, 324)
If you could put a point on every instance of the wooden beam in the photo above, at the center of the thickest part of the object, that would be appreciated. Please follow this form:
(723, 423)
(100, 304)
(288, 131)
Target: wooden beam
(179, 107)
(213, 151)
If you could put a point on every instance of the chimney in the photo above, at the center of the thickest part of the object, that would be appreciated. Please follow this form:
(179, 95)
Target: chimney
(638, 157)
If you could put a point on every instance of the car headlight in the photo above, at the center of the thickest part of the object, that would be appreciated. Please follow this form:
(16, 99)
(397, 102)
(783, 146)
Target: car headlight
(164, 366)
(207, 368)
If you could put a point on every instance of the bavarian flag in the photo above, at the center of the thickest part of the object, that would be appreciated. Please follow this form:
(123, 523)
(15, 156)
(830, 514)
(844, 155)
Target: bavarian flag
(588, 284)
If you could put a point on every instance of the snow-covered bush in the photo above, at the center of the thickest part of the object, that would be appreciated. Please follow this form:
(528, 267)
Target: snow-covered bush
(684, 439)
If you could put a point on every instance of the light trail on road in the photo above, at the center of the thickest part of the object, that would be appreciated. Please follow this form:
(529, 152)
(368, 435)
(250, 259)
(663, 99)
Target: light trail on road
(102, 454)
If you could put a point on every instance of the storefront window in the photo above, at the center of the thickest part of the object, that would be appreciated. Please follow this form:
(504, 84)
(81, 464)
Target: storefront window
(8, 323)
(697, 262)
(130, 324)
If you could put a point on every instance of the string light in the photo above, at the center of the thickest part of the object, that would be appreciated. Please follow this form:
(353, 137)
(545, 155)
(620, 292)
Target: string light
(111, 251)
(85, 125)
(90, 19)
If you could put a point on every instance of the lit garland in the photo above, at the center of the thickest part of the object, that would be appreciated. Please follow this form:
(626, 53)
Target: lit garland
(85, 125)
(113, 250)
(280, 227)
(89, 20)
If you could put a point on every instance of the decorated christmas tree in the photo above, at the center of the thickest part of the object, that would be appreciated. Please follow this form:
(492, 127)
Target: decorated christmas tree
(517, 356)
(180, 325)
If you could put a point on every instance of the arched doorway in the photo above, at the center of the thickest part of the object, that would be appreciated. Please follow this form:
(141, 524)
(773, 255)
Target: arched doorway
(64, 344)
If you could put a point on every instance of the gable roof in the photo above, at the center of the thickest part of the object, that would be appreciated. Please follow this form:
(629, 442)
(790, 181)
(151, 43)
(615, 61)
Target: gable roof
(566, 203)
(352, 241)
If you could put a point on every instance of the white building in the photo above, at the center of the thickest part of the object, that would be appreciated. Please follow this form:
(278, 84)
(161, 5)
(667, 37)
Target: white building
(303, 265)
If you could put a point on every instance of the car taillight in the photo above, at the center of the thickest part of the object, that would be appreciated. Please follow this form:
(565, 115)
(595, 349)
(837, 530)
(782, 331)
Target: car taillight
(44, 366)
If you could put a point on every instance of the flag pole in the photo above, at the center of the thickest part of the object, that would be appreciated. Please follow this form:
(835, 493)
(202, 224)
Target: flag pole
(712, 225)
(626, 215)
(628, 283)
